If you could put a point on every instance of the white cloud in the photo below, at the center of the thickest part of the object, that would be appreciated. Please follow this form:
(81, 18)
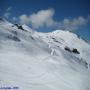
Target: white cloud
(7, 14)
(24, 19)
(45, 18)
(8, 9)
(39, 19)
(73, 24)
(14, 19)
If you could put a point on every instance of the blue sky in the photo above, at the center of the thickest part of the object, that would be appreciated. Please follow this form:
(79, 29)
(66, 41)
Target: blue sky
(54, 14)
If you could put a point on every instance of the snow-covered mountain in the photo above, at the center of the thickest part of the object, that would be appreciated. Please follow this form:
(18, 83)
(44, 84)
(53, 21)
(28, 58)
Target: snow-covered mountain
(31, 60)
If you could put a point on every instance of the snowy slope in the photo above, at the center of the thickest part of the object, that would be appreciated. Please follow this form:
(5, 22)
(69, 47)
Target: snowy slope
(32, 60)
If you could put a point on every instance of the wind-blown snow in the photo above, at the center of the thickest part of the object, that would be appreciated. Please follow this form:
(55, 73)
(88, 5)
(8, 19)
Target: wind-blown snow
(32, 60)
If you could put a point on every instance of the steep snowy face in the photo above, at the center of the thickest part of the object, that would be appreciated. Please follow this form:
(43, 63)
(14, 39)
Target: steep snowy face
(64, 39)
(31, 60)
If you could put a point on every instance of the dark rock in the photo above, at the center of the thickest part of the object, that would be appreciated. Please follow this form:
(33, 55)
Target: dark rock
(75, 51)
(68, 49)
(19, 26)
(55, 40)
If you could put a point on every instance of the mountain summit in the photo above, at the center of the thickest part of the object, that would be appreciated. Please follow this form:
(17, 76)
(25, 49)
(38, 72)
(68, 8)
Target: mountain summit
(31, 60)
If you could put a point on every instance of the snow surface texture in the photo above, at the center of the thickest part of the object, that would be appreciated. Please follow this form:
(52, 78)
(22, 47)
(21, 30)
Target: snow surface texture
(32, 60)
